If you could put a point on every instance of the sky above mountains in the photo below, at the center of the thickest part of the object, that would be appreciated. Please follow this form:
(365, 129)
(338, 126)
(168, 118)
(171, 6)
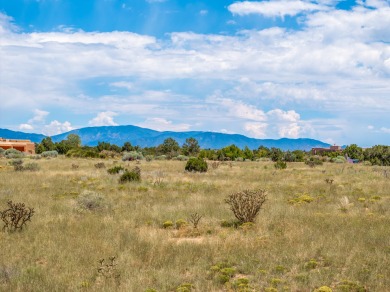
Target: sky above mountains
(265, 69)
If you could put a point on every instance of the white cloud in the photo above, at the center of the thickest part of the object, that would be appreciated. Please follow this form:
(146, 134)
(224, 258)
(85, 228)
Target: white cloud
(26, 127)
(39, 116)
(161, 124)
(56, 127)
(256, 130)
(385, 130)
(103, 119)
(203, 12)
(274, 8)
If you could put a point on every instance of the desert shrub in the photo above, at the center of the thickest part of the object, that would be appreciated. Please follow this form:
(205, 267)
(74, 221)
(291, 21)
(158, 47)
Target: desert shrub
(100, 165)
(181, 158)
(149, 158)
(13, 153)
(49, 154)
(92, 201)
(185, 287)
(323, 289)
(196, 164)
(107, 269)
(107, 154)
(349, 286)
(280, 164)
(16, 216)
(116, 170)
(246, 204)
(167, 224)
(132, 155)
(313, 161)
(82, 153)
(2, 152)
(36, 157)
(194, 219)
(75, 166)
(338, 159)
(17, 164)
(32, 166)
(161, 157)
(301, 199)
(130, 176)
(180, 223)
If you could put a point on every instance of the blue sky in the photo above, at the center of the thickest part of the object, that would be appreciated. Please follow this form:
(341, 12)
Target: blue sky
(265, 69)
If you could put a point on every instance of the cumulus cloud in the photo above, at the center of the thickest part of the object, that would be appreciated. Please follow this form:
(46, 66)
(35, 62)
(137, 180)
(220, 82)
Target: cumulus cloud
(161, 124)
(275, 8)
(385, 130)
(103, 119)
(337, 64)
(256, 130)
(27, 127)
(55, 127)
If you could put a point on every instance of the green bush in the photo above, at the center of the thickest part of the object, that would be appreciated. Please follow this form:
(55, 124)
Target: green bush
(132, 155)
(181, 158)
(280, 164)
(313, 161)
(161, 157)
(116, 170)
(49, 154)
(2, 152)
(167, 224)
(130, 176)
(196, 164)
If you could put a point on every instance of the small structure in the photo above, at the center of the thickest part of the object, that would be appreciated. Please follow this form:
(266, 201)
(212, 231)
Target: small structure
(333, 148)
(21, 145)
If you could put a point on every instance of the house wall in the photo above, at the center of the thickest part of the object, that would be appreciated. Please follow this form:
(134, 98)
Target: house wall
(21, 145)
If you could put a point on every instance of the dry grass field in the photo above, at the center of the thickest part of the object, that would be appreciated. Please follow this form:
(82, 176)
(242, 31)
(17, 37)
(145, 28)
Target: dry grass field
(307, 235)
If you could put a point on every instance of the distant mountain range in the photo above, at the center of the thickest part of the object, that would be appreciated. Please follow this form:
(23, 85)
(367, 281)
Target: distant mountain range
(148, 138)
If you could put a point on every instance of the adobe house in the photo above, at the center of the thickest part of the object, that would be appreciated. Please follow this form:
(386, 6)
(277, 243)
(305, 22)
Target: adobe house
(333, 148)
(21, 145)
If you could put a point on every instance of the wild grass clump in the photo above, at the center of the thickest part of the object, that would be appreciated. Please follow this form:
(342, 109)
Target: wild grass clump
(51, 154)
(2, 151)
(246, 204)
(223, 272)
(16, 216)
(181, 158)
(82, 153)
(133, 175)
(196, 165)
(31, 166)
(185, 287)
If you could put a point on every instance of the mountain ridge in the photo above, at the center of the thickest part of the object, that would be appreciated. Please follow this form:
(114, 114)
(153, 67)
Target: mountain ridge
(144, 137)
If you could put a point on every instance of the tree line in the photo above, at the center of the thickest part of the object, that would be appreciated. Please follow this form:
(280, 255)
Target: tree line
(170, 148)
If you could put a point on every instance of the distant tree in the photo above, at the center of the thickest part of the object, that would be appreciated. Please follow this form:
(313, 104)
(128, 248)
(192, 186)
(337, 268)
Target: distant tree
(127, 147)
(169, 147)
(191, 147)
(276, 154)
(378, 155)
(262, 151)
(247, 153)
(115, 148)
(353, 151)
(231, 152)
(299, 155)
(103, 146)
(48, 144)
(73, 140)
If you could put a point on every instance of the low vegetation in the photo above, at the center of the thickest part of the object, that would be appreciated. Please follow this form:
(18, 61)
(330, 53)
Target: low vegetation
(322, 228)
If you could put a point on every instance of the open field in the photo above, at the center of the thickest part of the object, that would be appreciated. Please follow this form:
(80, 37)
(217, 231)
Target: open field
(293, 246)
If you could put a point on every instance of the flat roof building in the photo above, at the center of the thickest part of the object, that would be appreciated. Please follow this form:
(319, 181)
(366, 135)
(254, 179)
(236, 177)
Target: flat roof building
(21, 145)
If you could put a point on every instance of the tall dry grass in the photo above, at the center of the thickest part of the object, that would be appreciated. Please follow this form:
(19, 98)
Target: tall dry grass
(293, 246)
